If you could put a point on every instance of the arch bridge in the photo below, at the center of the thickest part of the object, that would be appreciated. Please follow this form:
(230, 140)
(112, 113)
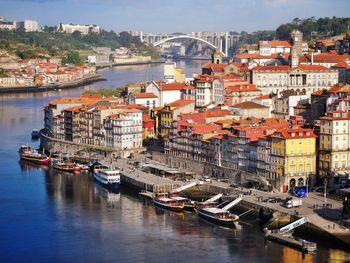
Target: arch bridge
(216, 40)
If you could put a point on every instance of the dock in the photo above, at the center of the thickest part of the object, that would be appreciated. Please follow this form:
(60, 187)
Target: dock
(289, 240)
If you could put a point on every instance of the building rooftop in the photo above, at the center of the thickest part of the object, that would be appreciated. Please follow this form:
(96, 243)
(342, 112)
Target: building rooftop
(249, 105)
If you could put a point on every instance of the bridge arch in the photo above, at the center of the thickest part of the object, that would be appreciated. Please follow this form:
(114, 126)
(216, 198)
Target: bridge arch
(190, 37)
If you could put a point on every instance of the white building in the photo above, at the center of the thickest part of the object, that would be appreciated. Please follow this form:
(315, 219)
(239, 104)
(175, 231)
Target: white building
(124, 130)
(267, 48)
(147, 99)
(306, 78)
(166, 92)
(27, 25)
(203, 93)
(83, 29)
(218, 91)
(7, 25)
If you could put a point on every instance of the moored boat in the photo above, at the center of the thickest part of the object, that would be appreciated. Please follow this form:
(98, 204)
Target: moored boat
(31, 155)
(218, 216)
(176, 204)
(108, 177)
(35, 134)
(68, 167)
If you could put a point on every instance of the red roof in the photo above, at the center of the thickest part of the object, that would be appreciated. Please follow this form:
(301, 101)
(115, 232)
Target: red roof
(312, 67)
(323, 58)
(341, 64)
(264, 97)
(276, 43)
(180, 103)
(297, 133)
(173, 86)
(145, 95)
(243, 88)
(215, 67)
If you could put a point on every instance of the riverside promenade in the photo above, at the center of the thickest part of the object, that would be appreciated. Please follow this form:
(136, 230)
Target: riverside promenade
(325, 220)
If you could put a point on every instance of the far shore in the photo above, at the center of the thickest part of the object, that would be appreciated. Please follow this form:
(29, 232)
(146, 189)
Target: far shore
(67, 85)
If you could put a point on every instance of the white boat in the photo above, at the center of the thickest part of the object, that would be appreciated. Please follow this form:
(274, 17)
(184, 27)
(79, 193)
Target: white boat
(217, 216)
(108, 177)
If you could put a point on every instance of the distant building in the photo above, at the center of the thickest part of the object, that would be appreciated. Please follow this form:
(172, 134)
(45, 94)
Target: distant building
(27, 25)
(173, 74)
(267, 48)
(83, 29)
(7, 25)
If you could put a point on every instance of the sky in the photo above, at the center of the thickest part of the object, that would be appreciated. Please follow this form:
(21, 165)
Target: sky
(168, 16)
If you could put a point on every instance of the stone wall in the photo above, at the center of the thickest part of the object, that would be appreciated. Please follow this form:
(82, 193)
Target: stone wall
(83, 150)
(204, 169)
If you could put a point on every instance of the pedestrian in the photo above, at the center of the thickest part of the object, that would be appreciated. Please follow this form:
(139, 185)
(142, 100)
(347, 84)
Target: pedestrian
(333, 226)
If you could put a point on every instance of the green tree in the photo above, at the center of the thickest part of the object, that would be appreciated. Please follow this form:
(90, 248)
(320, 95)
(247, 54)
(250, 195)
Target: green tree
(73, 58)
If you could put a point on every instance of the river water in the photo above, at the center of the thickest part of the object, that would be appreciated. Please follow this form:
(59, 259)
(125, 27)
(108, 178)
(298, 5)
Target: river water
(47, 216)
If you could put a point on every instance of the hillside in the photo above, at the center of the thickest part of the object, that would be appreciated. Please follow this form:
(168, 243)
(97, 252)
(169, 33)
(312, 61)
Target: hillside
(57, 43)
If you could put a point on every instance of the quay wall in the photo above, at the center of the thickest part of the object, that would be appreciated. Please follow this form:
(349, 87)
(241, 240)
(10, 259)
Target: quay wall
(204, 169)
(86, 150)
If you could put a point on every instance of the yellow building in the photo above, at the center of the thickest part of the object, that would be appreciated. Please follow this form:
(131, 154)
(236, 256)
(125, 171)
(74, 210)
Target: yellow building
(173, 73)
(293, 157)
(170, 113)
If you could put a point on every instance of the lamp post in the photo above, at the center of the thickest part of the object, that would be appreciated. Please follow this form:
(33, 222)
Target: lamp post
(325, 191)
(307, 185)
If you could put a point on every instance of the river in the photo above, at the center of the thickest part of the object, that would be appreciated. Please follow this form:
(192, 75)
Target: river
(47, 216)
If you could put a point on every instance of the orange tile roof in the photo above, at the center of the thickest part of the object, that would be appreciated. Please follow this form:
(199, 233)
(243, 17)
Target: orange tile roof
(173, 86)
(341, 64)
(324, 58)
(243, 88)
(216, 113)
(145, 95)
(276, 43)
(264, 97)
(312, 67)
(73, 109)
(180, 103)
(287, 133)
(249, 105)
(215, 67)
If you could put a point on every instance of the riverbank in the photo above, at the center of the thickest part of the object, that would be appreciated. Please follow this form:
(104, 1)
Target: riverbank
(320, 228)
(158, 61)
(67, 85)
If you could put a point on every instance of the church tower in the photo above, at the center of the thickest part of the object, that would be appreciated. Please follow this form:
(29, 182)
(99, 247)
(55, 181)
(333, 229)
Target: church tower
(297, 48)
(216, 58)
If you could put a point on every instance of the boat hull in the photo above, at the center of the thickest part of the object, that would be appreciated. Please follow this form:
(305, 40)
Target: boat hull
(115, 186)
(176, 209)
(222, 222)
(44, 161)
(68, 170)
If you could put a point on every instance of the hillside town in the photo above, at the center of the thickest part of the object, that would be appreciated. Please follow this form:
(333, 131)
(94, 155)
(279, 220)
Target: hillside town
(43, 71)
(280, 114)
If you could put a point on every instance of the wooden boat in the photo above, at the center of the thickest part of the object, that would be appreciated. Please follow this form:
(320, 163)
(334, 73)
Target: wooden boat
(68, 167)
(175, 204)
(217, 216)
(31, 155)
(220, 216)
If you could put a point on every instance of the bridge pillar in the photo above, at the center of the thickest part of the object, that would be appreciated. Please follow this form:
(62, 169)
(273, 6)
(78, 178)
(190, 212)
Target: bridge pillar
(226, 44)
